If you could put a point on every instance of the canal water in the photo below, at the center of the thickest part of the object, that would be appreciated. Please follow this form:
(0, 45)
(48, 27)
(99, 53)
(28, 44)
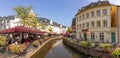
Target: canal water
(57, 49)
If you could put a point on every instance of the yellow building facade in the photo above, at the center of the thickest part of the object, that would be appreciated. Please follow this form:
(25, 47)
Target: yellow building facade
(97, 22)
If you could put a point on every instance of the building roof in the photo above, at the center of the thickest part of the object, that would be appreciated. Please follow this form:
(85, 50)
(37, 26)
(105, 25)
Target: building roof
(47, 21)
(73, 22)
(94, 4)
(10, 17)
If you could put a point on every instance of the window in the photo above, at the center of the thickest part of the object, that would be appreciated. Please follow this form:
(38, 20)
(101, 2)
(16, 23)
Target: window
(104, 12)
(98, 23)
(105, 23)
(87, 25)
(83, 16)
(87, 15)
(80, 26)
(92, 36)
(98, 12)
(80, 18)
(101, 37)
(77, 26)
(92, 14)
(83, 25)
(92, 24)
(99, 3)
(80, 35)
(76, 19)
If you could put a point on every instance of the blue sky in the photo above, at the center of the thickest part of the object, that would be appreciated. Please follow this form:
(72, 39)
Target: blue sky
(61, 11)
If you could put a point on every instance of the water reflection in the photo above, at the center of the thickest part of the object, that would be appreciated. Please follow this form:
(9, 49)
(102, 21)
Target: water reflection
(58, 50)
(43, 51)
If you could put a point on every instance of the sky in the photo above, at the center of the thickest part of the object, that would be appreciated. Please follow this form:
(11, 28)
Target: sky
(60, 11)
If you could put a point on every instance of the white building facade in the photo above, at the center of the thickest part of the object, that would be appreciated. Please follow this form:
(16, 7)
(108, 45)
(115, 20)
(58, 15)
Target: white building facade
(97, 22)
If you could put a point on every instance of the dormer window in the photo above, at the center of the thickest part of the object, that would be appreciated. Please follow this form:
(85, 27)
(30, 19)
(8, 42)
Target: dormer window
(79, 10)
(83, 8)
(92, 5)
(99, 3)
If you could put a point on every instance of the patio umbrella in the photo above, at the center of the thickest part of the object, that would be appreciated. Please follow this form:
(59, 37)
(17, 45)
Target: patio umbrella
(36, 31)
(17, 29)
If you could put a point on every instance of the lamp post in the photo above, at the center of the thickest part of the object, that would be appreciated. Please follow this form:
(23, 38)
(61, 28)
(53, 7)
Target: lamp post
(88, 33)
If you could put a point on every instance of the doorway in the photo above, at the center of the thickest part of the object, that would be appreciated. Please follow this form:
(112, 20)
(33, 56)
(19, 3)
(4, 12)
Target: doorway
(113, 37)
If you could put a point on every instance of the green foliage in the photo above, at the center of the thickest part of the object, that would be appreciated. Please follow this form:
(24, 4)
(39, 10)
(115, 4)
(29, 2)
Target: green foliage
(27, 18)
(86, 44)
(36, 43)
(2, 40)
(16, 48)
(69, 30)
(50, 29)
(89, 44)
(43, 27)
(101, 45)
(106, 47)
(35, 23)
(116, 53)
(23, 13)
(74, 41)
(83, 43)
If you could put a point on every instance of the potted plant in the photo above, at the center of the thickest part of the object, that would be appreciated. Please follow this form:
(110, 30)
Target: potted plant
(3, 43)
(2, 40)
(105, 47)
(83, 43)
(116, 52)
(36, 43)
(16, 49)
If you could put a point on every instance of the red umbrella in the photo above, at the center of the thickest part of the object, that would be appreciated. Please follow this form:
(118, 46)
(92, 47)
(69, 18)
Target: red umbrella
(36, 31)
(17, 29)
(3, 31)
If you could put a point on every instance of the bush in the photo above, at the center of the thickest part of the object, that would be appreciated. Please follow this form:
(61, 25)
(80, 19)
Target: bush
(74, 41)
(17, 49)
(116, 53)
(2, 40)
(92, 45)
(87, 44)
(101, 45)
(105, 47)
(41, 41)
(83, 43)
(36, 43)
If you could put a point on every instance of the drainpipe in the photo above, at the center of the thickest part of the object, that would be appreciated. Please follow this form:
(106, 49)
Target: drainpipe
(117, 25)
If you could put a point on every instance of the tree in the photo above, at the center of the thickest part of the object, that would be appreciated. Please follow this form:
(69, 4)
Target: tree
(69, 30)
(23, 13)
(28, 17)
(43, 27)
(50, 29)
(34, 21)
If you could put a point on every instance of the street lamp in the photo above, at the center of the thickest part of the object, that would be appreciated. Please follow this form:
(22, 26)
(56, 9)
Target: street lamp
(88, 32)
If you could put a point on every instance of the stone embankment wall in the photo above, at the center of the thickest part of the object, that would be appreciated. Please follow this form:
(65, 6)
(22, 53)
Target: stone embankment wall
(88, 51)
(34, 52)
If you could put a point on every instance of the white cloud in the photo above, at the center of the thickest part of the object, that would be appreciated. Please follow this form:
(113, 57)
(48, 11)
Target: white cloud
(115, 2)
(91, 0)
